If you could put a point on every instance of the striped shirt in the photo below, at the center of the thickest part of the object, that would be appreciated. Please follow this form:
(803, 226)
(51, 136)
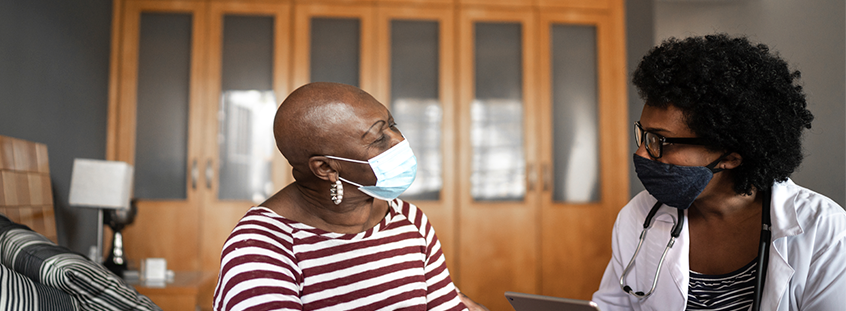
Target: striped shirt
(732, 291)
(271, 262)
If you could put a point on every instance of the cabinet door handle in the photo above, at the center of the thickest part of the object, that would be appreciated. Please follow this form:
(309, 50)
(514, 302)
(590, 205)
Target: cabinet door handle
(532, 177)
(547, 177)
(194, 174)
(209, 174)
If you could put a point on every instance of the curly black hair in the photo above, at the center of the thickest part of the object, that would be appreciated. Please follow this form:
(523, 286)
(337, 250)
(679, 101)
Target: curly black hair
(737, 96)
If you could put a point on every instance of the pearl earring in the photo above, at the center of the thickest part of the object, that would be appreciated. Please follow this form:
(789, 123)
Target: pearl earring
(337, 192)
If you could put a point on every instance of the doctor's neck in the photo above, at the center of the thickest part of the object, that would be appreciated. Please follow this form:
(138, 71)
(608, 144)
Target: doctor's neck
(725, 204)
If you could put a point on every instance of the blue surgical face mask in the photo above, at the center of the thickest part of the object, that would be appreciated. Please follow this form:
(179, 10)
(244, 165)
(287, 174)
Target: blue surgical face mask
(395, 170)
(676, 186)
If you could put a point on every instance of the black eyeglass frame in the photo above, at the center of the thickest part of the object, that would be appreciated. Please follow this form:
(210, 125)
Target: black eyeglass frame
(640, 137)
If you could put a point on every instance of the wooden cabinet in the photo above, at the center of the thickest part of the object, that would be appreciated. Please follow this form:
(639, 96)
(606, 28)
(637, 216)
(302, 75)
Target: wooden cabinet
(199, 167)
(156, 123)
(498, 196)
(542, 154)
(415, 77)
(515, 108)
(582, 147)
(248, 68)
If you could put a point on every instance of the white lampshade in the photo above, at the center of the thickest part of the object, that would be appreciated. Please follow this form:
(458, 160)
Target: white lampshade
(101, 184)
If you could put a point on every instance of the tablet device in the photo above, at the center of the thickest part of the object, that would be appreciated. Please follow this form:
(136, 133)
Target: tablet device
(529, 302)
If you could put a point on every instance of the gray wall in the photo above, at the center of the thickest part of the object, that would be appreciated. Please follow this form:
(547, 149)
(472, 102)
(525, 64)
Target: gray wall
(640, 37)
(810, 35)
(54, 69)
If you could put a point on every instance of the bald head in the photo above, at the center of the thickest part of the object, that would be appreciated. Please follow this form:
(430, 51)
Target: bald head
(315, 116)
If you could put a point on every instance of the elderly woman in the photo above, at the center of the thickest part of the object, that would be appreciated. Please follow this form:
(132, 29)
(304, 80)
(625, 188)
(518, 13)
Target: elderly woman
(337, 238)
(717, 139)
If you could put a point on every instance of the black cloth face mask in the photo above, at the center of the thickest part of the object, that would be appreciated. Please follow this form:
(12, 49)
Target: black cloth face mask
(674, 185)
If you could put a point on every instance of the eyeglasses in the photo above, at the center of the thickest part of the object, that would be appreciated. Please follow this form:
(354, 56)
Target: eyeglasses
(655, 143)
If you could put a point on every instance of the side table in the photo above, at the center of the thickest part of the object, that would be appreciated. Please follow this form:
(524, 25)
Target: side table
(184, 293)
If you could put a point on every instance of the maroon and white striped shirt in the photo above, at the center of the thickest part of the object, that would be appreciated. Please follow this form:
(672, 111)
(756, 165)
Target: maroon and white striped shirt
(270, 262)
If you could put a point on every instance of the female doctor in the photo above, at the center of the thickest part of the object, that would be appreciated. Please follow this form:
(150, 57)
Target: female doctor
(727, 229)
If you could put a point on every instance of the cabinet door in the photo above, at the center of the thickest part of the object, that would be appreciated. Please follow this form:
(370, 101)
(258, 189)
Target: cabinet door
(497, 165)
(247, 78)
(156, 125)
(334, 43)
(515, 109)
(415, 79)
(582, 118)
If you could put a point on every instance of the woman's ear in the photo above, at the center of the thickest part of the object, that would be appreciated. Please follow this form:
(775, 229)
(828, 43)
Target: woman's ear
(321, 168)
(730, 161)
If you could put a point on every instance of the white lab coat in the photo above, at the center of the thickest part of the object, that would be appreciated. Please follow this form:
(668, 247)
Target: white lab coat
(807, 264)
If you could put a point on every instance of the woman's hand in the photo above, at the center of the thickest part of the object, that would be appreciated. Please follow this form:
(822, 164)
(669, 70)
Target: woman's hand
(472, 305)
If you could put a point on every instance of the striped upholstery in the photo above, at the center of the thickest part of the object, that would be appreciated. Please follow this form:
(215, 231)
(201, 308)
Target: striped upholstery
(19, 293)
(90, 285)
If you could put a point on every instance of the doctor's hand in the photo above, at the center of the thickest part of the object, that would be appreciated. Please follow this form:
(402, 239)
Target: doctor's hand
(471, 305)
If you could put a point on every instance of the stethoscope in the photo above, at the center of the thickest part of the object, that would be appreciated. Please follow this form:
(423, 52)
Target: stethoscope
(678, 223)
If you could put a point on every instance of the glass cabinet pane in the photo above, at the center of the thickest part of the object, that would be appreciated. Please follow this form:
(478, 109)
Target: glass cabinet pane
(161, 143)
(574, 114)
(335, 55)
(247, 109)
(415, 102)
(498, 160)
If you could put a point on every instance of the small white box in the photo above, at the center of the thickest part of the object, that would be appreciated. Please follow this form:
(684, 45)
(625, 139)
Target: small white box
(154, 269)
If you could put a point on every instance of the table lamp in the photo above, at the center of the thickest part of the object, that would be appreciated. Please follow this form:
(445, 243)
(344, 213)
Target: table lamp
(102, 185)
